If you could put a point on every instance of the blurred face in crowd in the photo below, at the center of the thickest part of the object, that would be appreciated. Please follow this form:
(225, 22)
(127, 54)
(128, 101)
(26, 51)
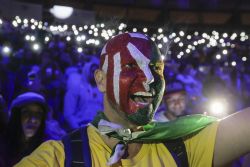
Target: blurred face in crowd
(134, 73)
(176, 103)
(31, 118)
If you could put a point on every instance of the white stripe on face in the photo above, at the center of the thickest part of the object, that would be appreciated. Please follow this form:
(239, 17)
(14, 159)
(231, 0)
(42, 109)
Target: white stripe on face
(143, 63)
(137, 35)
(105, 64)
(116, 77)
(104, 51)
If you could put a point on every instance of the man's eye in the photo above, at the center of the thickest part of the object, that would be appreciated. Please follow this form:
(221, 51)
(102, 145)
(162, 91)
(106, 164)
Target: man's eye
(129, 66)
(156, 67)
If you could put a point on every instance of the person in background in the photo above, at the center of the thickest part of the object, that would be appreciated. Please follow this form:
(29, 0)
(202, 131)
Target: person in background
(52, 79)
(25, 130)
(82, 99)
(189, 76)
(53, 128)
(174, 101)
(34, 84)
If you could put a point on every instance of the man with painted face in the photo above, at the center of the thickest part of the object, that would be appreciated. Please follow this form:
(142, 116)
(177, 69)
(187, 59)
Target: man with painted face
(133, 68)
(131, 79)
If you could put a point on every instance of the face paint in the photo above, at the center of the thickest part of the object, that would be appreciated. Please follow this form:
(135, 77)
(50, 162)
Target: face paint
(135, 81)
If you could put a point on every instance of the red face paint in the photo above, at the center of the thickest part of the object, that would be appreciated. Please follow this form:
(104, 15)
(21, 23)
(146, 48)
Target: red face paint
(129, 58)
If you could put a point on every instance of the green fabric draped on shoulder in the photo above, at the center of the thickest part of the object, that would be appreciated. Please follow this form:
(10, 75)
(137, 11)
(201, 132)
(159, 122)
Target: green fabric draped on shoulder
(180, 127)
(163, 131)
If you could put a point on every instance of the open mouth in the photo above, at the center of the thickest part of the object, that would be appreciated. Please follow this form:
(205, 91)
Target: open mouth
(142, 98)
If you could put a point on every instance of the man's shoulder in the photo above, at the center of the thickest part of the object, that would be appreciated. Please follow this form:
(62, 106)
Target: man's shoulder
(205, 135)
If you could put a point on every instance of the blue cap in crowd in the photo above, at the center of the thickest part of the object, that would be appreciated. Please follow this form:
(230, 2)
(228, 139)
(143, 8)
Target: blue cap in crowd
(28, 98)
(174, 86)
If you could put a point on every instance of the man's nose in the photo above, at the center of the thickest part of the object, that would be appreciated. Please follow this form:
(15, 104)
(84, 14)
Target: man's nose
(149, 78)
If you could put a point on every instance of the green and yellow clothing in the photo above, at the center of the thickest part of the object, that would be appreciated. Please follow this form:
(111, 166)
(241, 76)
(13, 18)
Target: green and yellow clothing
(199, 147)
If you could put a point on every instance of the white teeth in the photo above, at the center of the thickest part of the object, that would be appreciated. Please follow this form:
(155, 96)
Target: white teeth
(143, 94)
(143, 103)
(140, 100)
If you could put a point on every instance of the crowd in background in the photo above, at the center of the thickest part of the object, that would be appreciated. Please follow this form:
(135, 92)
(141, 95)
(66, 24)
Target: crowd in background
(64, 75)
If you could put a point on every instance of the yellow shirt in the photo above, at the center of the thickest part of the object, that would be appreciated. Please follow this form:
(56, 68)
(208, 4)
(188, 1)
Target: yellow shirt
(199, 147)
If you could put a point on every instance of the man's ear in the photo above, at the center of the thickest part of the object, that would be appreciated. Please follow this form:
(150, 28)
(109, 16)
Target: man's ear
(100, 79)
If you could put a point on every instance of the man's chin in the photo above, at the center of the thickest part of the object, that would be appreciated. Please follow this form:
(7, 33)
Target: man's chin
(141, 117)
(141, 122)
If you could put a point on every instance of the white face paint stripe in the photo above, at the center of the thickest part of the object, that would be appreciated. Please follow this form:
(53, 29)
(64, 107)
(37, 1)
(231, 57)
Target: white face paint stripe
(116, 77)
(104, 49)
(143, 63)
(137, 35)
(105, 64)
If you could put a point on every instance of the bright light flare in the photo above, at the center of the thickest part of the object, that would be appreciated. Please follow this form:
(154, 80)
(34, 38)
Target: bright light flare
(244, 59)
(68, 38)
(32, 38)
(134, 30)
(14, 23)
(97, 42)
(218, 107)
(159, 46)
(160, 30)
(234, 63)
(225, 52)
(163, 57)
(61, 12)
(218, 56)
(27, 37)
(6, 50)
(180, 44)
(79, 50)
(36, 46)
(46, 39)
(165, 39)
(181, 33)
(189, 37)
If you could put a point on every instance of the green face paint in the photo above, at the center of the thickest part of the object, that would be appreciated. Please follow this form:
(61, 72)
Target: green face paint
(134, 75)
(145, 115)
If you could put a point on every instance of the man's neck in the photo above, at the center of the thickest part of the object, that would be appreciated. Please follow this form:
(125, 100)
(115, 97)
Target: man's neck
(133, 148)
(118, 117)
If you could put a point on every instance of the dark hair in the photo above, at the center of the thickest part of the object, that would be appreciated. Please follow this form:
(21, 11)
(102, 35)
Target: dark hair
(14, 136)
